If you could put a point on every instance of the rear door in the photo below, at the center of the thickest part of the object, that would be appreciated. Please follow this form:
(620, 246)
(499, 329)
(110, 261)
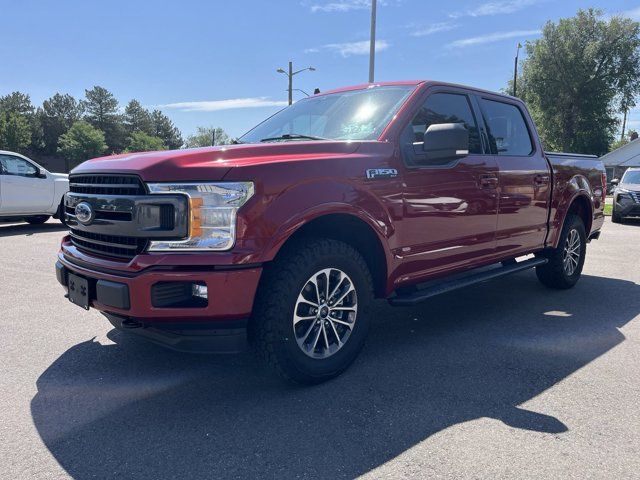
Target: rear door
(22, 190)
(450, 208)
(524, 176)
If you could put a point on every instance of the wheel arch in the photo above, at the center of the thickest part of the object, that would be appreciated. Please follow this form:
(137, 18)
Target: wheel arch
(349, 228)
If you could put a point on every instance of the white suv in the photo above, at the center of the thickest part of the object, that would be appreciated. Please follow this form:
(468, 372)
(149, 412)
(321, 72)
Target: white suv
(29, 191)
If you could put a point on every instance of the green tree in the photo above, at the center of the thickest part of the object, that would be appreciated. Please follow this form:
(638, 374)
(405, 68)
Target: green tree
(17, 122)
(16, 102)
(578, 76)
(55, 118)
(81, 143)
(629, 137)
(141, 142)
(164, 128)
(137, 118)
(15, 132)
(204, 137)
(101, 111)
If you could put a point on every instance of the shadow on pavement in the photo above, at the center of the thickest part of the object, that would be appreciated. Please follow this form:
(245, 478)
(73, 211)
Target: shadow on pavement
(132, 409)
(14, 229)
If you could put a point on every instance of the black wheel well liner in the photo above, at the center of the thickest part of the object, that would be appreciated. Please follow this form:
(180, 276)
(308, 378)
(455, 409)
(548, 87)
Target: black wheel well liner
(354, 231)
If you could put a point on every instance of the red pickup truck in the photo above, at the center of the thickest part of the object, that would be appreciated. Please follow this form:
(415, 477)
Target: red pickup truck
(398, 191)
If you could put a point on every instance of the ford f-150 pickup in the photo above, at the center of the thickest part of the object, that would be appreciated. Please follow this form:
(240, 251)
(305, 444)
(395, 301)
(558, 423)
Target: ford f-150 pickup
(398, 191)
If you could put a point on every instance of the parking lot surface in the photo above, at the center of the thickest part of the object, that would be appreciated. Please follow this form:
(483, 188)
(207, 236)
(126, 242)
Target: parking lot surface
(502, 380)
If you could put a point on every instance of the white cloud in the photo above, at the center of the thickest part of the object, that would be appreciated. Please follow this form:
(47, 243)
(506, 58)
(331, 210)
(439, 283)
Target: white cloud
(492, 37)
(351, 48)
(341, 6)
(431, 29)
(498, 7)
(229, 104)
(346, 5)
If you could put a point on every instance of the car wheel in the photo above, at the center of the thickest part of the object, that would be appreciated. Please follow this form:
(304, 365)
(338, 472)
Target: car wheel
(61, 214)
(37, 219)
(565, 263)
(311, 314)
(615, 217)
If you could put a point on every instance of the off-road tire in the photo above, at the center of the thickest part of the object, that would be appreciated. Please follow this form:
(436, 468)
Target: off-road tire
(37, 219)
(271, 332)
(553, 274)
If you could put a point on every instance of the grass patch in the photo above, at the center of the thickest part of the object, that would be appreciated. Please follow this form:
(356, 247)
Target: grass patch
(608, 209)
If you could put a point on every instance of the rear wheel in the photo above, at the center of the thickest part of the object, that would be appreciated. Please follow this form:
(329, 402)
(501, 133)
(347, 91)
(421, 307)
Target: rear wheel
(37, 219)
(565, 263)
(310, 320)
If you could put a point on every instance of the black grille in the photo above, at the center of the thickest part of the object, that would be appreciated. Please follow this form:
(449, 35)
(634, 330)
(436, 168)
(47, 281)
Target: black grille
(106, 184)
(108, 245)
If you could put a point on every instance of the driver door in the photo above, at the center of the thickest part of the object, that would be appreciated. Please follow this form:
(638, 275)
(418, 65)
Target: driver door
(451, 206)
(23, 190)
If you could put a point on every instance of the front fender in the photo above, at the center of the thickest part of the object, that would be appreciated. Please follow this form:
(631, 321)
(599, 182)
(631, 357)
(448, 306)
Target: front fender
(312, 200)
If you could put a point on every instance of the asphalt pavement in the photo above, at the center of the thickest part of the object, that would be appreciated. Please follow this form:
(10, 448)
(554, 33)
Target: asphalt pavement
(506, 379)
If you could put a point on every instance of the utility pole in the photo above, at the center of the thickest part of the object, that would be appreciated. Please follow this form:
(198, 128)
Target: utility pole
(290, 74)
(624, 125)
(372, 42)
(515, 69)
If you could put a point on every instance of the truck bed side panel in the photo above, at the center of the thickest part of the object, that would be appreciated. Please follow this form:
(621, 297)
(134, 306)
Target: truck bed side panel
(575, 176)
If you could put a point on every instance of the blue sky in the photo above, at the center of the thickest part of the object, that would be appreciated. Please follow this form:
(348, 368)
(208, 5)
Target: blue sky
(213, 62)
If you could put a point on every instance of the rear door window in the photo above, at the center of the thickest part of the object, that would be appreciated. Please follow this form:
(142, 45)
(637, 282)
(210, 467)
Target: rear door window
(508, 132)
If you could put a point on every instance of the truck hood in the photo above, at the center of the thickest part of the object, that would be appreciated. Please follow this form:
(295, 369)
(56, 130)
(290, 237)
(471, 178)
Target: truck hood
(212, 163)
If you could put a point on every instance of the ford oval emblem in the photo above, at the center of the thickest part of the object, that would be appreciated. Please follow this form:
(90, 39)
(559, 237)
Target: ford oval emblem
(84, 213)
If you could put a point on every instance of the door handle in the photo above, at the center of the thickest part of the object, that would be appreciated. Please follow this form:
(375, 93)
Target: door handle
(488, 180)
(541, 179)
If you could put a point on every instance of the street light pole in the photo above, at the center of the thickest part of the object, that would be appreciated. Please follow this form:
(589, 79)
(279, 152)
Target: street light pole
(515, 69)
(290, 74)
(290, 83)
(372, 42)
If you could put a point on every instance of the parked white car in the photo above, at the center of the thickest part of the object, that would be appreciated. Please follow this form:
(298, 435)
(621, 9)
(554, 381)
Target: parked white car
(28, 191)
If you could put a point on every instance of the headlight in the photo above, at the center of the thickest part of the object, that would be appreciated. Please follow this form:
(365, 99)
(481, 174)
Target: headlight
(212, 214)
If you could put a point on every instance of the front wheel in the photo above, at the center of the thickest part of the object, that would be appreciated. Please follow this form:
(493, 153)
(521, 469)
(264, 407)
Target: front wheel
(37, 219)
(615, 217)
(310, 320)
(565, 263)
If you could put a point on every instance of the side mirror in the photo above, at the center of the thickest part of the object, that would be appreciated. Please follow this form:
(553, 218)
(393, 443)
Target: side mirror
(615, 182)
(40, 173)
(445, 141)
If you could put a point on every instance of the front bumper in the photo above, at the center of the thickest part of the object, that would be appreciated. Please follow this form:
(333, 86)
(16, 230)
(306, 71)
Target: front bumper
(626, 205)
(126, 299)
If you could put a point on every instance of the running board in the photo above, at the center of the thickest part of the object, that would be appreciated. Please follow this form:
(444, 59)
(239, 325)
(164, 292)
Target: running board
(450, 285)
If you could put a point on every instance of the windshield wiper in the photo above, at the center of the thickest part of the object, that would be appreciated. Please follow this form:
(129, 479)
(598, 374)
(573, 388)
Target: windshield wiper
(293, 136)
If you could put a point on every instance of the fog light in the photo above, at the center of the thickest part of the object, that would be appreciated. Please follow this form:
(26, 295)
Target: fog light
(179, 295)
(199, 291)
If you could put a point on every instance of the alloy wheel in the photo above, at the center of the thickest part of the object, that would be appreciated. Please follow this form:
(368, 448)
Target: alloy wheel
(572, 251)
(325, 313)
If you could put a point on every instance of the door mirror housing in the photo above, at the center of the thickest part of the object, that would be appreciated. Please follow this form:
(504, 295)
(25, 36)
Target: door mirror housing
(40, 173)
(445, 141)
(615, 182)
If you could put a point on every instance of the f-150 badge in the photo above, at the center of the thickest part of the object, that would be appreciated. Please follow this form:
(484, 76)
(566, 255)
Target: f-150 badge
(373, 173)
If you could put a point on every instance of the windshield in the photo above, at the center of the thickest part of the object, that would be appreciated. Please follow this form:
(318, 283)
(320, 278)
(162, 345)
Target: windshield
(631, 176)
(351, 115)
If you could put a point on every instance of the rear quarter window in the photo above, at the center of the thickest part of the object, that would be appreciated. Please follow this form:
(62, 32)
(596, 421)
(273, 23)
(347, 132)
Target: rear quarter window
(508, 132)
